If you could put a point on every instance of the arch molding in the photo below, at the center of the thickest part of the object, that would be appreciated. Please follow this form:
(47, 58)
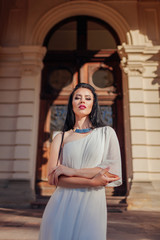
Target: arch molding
(75, 8)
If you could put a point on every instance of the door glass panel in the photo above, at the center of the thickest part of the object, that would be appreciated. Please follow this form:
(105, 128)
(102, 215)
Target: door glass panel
(99, 37)
(64, 38)
(107, 115)
(103, 78)
(58, 116)
(60, 78)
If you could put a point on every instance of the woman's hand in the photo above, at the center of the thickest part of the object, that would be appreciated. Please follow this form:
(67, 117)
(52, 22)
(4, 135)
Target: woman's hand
(103, 178)
(61, 170)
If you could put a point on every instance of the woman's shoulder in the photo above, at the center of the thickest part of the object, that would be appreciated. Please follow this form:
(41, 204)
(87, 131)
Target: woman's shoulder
(58, 136)
(107, 129)
(56, 139)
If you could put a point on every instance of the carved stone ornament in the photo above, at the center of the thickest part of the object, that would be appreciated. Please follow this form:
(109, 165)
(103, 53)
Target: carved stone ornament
(32, 57)
(134, 70)
(136, 59)
(131, 67)
(30, 69)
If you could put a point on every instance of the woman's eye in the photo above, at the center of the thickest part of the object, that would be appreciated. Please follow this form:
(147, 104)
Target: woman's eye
(77, 98)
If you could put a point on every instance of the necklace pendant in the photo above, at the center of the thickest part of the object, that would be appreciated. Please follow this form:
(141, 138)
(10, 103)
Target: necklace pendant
(86, 130)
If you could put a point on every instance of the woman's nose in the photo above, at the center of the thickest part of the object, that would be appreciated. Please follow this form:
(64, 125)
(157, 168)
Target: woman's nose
(82, 100)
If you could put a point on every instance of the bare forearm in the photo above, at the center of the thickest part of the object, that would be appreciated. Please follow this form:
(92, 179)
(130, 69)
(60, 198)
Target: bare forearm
(75, 182)
(101, 179)
(61, 170)
(87, 172)
(79, 176)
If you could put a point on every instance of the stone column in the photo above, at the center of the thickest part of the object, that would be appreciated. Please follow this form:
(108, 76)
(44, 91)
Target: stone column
(140, 65)
(20, 81)
(29, 98)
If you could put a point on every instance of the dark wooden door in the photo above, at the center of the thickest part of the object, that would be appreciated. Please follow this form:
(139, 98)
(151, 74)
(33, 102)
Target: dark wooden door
(63, 69)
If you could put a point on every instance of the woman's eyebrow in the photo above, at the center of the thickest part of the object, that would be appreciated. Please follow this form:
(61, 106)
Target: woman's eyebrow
(81, 95)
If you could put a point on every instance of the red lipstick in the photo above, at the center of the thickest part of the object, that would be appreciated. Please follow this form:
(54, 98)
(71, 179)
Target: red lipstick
(82, 106)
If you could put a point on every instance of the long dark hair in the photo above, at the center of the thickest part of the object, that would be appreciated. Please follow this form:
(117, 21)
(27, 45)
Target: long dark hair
(94, 116)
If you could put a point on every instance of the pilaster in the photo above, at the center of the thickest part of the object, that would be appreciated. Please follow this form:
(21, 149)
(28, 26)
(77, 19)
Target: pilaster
(20, 78)
(31, 67)
(140, 65)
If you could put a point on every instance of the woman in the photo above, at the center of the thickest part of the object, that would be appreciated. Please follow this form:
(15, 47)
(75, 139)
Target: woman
(89, 159)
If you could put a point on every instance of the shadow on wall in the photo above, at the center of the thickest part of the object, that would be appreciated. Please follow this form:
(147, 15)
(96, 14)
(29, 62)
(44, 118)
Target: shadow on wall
(156, 80)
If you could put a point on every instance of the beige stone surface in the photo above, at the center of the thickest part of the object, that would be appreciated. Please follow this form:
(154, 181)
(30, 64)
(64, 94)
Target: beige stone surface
(24, 123)
(153, 138)
(136, 95)
(21, 175)
(26, 96)
(21, 166)
(154, 176)
(139, 151)
(11, 83)
(153, 124)
(21, 152)
(9, 96)
(10, 70)
(8, 110)
(137, 109)
(141, 176)
(28, 82)
(138, 123)
(135, 82)
(141, 165)
(150, 70)
(151, 96)
(8, 123)
(138, 137)
(23, 137)
(151, 83)
(154, 165)
(153, 151)
(7, 138)
(7, 152)
(6, 165)
(15, 165)
(152, 110)
(25, 109)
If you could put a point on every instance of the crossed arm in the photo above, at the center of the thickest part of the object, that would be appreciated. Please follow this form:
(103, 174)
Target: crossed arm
(80, 178)
(75, 178)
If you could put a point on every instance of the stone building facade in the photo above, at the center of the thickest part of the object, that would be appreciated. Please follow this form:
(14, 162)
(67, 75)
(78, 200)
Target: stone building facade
(24, 26)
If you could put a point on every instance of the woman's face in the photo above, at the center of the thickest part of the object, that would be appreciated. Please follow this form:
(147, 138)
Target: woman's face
(82, 102)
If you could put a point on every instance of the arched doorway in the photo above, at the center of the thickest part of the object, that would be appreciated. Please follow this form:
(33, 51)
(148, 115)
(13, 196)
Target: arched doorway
(80, 49)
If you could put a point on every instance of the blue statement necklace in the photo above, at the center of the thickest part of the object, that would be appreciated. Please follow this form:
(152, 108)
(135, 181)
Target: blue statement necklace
(85, 130)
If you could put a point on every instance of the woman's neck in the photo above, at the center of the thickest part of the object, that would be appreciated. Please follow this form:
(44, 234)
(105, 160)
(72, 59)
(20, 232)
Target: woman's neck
(82, 123)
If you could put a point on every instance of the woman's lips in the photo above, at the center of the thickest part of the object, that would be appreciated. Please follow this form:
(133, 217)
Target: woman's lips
(82, 106)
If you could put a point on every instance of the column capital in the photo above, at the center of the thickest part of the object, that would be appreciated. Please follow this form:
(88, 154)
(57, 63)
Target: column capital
(134, 59)
(23, 60)
(31, 59)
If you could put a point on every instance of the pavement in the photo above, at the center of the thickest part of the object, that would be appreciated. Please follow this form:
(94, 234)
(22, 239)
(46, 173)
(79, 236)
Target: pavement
(24, 224)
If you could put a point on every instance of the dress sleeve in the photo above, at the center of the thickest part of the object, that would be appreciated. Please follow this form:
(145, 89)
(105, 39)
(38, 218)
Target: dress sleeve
(112, 157)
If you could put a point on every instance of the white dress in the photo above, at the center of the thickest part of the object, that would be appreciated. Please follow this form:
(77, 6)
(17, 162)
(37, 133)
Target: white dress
(81, 214)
